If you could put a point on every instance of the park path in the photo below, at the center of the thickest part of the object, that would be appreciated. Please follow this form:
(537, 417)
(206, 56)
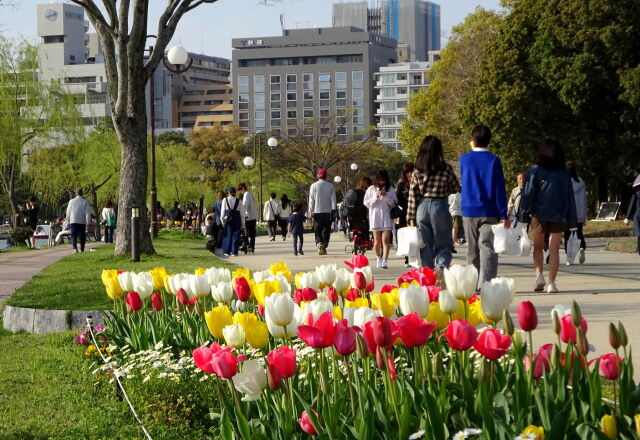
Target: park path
(16, 268)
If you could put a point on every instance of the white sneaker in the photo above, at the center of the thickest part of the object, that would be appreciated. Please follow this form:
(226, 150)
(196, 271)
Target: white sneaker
(538, 285)
(568, 264)
(551, 287)
(383, 263)
(581, 256)
(378, 262)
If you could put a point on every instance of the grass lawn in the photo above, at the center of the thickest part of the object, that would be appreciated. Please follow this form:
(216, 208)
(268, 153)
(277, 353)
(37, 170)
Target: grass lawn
(74, 282)
(617, 225)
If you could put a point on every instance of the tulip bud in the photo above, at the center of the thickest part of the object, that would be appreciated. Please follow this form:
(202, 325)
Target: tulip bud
(556, 322)
(609, 426)
(363, 351)
(507, 323)
(636, 419)
(517, 340)
(156, 301)
(484, 372)
(556, 356)
(624, 340)
(614, 336)
(576, 314)
(381, 360)
(582, 342)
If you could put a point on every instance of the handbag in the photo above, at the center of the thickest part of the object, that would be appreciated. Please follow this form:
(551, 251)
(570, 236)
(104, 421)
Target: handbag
(395, 212)
(276, 217)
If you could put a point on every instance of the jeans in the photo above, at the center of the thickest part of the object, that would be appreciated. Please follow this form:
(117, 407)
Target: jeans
(78, 230)
(250, 226)
(322, 228)
(272, 225)
(579, 234)
(480, 252)
(230, 240)
(434, 224)
(297, 248)
(108, 234)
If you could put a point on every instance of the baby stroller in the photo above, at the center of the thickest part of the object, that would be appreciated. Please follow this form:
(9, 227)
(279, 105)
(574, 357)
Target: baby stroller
(243, 242)
(362, 241)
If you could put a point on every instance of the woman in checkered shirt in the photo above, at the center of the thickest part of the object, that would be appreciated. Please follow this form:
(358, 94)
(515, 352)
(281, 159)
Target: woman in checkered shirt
(428, 209)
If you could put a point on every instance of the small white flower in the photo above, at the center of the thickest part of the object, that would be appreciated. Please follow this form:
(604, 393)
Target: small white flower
(460, 435)
(416, 435)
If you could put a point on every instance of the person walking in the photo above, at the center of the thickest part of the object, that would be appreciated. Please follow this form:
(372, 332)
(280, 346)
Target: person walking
(342, 215)
(484, 202)
(580, 196)
(251, 209)
(633, 213)
(402, 193)
(380, 198)
(431, 183)
(271, 213)
(322, 200)
(31, 216)
(548, 204)
(285, 213)
(456, 219)
(176, 214)
(357, 213)
(78, 215)
(233, 219)
(217, 212)
(296, 229)
(109, 220)
(514, 199)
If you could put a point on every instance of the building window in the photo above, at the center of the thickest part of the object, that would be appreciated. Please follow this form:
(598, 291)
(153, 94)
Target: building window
(258, 83)
(402, 77)
(292, 132)
(357, 79)
(389, 106)
(401, 105)
(388, 92)
(243, 115)
(325, 81)
(275, 122)
(308, 113)
(243, 101)
(292, 79)
(341, 80)
(341, 98)
(258, 99)
(275, 115)
(292, 114)
(259, 119)
(307, 81)
(324, 113)
(357, 98)
(292, 96)
(275, 97)
(243, 84)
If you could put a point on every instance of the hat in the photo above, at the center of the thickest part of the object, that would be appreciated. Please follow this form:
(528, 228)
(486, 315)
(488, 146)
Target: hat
(231, 190)
(322, 173)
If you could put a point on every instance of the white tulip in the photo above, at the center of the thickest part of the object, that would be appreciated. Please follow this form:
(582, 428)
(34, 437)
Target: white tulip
(342, 280)
(224, 274)
(462, 281)
(125, 279)
(199, 285)
(251, 380)
(368, 275)
(561, 310)
(326, 273)
(185, 283)
(362, 315)
(448, 302)
(285, 287)
(278, 331)
(212, 275)
(174, 283)
(222, 292)
(496, 296)
(260, 276)
(279, 308)
(310, 280)
(143, 284)
(414, 299)
(316, 308)
(233, 335)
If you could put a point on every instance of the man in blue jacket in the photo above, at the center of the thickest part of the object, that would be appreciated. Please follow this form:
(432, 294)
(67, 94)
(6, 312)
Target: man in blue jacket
(484, 202)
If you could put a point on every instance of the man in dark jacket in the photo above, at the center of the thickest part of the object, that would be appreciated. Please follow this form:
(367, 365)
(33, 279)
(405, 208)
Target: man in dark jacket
(175, 213)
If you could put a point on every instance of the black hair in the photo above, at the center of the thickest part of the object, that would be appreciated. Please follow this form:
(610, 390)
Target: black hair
(285, 201)
(32, 199)
(296, 207)
(176, 204)
(242, 186)
(382, 180)
(430, 159)
(272, 195)
(481, 134)
(550, 155)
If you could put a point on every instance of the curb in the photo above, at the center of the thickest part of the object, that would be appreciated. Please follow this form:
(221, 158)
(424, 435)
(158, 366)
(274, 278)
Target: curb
(40, 321)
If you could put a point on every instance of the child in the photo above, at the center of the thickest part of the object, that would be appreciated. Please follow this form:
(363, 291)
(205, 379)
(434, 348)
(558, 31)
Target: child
(296, 228)
(633, 214)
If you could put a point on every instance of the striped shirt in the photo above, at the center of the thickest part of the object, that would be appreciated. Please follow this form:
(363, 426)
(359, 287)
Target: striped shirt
(438, 185)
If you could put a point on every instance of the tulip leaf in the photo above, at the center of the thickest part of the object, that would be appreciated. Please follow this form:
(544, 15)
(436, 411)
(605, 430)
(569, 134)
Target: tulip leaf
(242, 425)
(405, 419)
(436, 424)
(589, 432)
(227, 429)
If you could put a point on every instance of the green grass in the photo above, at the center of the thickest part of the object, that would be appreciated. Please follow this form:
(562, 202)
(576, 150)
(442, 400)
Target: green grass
(15, 249)
(74, 282)
(617, 225)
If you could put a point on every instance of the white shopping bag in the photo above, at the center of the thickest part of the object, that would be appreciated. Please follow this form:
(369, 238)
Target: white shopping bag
(573, 246)
(525, 243)
(505, 241)
(409, 243)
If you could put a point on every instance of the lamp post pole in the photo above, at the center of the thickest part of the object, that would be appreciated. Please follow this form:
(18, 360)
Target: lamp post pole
(258, 138)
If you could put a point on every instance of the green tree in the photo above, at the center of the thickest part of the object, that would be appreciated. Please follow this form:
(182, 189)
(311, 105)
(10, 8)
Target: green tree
(172, 137)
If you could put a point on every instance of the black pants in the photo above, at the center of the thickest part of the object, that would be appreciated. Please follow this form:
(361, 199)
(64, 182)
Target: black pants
(579, 234)
(284, 226)
(78, 230)
(108, 234)
(250, 227)
(297, 247)
(273, 225)
(322, 228)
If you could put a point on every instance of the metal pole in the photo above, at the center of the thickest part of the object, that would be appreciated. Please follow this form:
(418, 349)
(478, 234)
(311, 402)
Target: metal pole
(257, 151)
(154, 190)
(200, 215)
(135, 235)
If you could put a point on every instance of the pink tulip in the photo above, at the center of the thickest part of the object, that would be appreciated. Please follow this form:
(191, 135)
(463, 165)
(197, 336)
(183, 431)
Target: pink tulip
(359, 280)
(568, 330)
(609, 366)
(527, 316)
(492, 344)
(242, 289)
(461, 335)
(414, 330)
(344, 339)
(134, 303)
(318, 334)
(306, 294)
(156, 301)
(305, 423)
(284, 360)
(224, 364)
(358, 262)
(541, 360)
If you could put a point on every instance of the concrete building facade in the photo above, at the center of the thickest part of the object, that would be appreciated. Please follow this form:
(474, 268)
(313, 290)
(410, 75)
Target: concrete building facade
(306, 77)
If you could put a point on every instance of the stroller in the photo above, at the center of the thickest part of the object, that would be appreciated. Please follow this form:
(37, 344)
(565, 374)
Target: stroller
(361, 238)
(243, 242)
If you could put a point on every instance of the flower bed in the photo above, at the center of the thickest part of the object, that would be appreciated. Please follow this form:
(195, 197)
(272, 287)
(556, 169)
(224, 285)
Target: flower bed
(337, 357)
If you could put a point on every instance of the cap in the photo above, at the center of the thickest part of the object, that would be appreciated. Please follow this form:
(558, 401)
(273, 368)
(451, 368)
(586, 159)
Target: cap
(231, 190)
(322, 172)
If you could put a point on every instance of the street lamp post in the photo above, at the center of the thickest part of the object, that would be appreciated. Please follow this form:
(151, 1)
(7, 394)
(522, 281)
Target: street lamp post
(249, 161)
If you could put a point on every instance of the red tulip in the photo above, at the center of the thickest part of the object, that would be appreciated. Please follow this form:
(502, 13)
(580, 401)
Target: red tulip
(473, 299)
(261, 310)
(156, 301)
(404, 278)
(568, 330)
(332, 294)
(387, 288)
(305, 423)
(344, 339)
(318, 334)
(414, 330)
(306, 294)
(242, 288)
(424, 276)
(182, 296)
(284, 360)
(274, 378)
(541, 361)
(353, 294)
(609, 366)
(134, 303)
(527, 316)
(392, 368)
(492, 344)
(369, 288)
(359, 280)
(202, 359)
(357, 262)
(461, 335)
(380, 332)
(224, 364)
(434, 293)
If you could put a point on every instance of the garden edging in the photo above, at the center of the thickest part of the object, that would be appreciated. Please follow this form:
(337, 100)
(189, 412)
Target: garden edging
(41, 321)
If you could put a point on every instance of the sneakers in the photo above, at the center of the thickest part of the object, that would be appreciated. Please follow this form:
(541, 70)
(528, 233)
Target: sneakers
(378, 262)
(383, 264)
(551, 287)
(321, 249)
(581, 256)
(300, 252)
(538, 285)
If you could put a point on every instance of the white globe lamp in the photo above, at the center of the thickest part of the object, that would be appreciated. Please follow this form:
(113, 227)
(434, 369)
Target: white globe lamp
(272, 142)
(178, 55)
(337, 179)
(354, 167)
(248, 161)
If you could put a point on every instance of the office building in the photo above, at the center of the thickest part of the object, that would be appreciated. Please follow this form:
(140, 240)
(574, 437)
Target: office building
(306, 77)
(414, 24)
(206, 105)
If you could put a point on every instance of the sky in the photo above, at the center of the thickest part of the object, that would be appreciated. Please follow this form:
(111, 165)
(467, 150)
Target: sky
(209, 28)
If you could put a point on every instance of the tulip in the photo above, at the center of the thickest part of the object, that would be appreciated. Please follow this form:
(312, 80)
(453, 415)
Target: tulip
(363, 315)
(305, 423)
(461, 281)
(359, 281)
(185, 284)
(609, 366)
(448, 303)
(251, 380)
(379, 333)
(344, 339)
(274, 378)
(134, 303)
(112, 286)
(279, 309)
(241, 272)
(567, 329)
(281, 269)
(497, 294)
(537, 431)
(234, 335)
(316, 308)
(342, 280)
(310, 280)
(383, 302)
(284, 360)
(222, 292)
(357, 262)
(332, 294)
(492, 344)
(257, 334)
(541, 361)
(306, 295)
(184, 298)
(263, 289)
(125, 279)
(224, 364)
(461, 335)
(279, 331)
(202, 359)
(424, 276)
(212, 275)
(243, 291)
(527, 316)
(609, 426)
(614, 336)
(199, 285)
(217, 319)
(438, 316)
(507, 323)
(414, 299)
(319, 333)
(413, 330)
(326, 273)
(433, 292)
(353, 294)
(143, 284)
(156, 301)
(175, 283)
(158, 274)
(261, 276)
(392, 368)
(370, 286)
(475, 315)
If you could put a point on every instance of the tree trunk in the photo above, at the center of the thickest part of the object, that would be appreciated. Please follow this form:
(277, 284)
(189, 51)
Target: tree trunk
(94, 205)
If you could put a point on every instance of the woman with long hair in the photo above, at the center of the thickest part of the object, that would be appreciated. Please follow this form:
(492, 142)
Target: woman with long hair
(548, 203)
(285, 213)
(402, 192)
(380, 198)
(431, 183)
(109, 220)
(580, 196)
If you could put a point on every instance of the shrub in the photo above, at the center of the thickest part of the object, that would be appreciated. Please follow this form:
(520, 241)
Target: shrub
(18, 236)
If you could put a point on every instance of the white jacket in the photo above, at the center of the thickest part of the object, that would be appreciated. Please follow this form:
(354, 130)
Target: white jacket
(249, 204)
(271, 209)
(580, 194)
(79, 211)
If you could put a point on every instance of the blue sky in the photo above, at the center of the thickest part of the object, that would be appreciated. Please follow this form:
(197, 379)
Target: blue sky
(209, 28)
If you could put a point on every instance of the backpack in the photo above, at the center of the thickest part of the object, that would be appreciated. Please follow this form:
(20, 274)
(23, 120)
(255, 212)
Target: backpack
(229, 214)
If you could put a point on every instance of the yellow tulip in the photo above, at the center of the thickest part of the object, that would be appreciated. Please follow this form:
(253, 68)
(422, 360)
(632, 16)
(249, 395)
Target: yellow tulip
(264, 289)
(396, 295)
(281, 269)
(436, 315)
(113, 288)
(475, 314)
(158, 274)
(297, 279)
(383, 302)
(357, 303)
(200, 271)
(108, 273)
(257, 334)
(636, 419)
(246, 320)
(609, 426)
(538, 431)
(167, 285)
(337, 313)
(241, 272)
(217, 319)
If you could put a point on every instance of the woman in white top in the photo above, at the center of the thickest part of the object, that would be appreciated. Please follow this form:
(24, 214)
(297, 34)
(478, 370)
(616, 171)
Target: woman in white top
(380, 198)
(271, 213)
(109, 221)
(285, 213)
